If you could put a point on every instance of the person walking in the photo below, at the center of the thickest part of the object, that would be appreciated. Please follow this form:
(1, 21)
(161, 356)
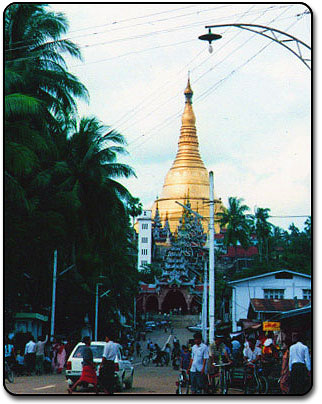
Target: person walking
(30, 356)
(40, 355)
(61, 357)
(185, 358)
(138, 349)
(197, 364)
(107, 367)
(9, 351)
(88, 368)
(285, 371)
(299, 366)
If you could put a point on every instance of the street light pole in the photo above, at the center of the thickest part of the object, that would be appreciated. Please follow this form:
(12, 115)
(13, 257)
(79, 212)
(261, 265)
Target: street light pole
(53, 302)
(96, 310)
(205, 304)
(211, 261)
(97, 297)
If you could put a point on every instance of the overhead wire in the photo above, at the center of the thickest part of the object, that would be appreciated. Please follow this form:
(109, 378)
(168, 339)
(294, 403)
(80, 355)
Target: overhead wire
(174, 96)
(102, 25)
(167, 121)
(131, 26)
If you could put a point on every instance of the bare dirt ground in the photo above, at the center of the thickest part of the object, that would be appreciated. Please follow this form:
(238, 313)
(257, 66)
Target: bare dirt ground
(147, 380)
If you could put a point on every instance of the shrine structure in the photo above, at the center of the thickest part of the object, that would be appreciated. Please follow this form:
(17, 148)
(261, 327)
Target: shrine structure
(178, 236)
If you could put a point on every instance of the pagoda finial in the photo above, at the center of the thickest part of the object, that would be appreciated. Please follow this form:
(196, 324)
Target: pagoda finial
(188, 91)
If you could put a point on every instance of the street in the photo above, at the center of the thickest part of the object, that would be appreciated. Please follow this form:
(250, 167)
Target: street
(147, 380)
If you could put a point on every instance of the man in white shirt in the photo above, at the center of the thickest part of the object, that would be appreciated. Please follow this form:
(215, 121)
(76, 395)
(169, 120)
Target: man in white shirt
(197, 364)
(252, 354)
(30, 356)
(107, 367)
(300, 366)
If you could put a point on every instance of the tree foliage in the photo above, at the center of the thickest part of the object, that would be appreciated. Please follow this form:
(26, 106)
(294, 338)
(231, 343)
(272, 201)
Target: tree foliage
(62, 189)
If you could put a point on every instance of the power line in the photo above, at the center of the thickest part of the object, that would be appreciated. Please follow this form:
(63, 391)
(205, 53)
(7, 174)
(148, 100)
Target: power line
(135, 25)
(100, 26)
(214, 87)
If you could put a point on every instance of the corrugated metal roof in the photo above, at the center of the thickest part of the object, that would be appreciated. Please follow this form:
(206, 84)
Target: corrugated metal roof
(269, 274)
(279, 305)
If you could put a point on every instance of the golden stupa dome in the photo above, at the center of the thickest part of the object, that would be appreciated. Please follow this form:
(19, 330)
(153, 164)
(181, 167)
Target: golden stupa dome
(188, 177)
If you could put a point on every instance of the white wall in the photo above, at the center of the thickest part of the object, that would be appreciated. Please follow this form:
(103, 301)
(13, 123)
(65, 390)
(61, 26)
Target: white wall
(145, 238)
(254, 288)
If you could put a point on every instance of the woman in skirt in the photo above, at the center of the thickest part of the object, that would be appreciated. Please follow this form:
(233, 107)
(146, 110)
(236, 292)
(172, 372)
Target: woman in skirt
(88, 372)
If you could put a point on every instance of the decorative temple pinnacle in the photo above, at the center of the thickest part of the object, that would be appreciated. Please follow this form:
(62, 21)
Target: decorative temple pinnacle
(188, 92)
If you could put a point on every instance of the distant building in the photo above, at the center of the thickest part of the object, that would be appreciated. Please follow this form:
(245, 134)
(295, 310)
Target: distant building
(30, 322)
(144, 239)
(272, 286)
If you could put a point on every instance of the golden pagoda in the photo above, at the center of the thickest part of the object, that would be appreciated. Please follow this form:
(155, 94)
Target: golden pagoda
(188, 178)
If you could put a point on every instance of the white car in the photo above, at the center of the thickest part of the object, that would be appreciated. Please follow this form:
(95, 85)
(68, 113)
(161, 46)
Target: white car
(123, 367)
(196, 328)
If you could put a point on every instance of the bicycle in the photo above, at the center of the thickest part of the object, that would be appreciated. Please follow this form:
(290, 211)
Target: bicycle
(9, 375)
(183, 382)
(148, 358)
(254, 380)
(220, 380)
(152, 358)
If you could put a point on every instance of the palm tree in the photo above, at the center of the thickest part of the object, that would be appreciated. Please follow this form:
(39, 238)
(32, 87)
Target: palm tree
(236, 222)
(39, 97)
(134, 208)
(263, 230)
(39, 92)
(33, 58)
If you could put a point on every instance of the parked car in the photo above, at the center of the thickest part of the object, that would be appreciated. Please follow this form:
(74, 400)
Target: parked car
(123, 367)
(196, 328)
(151, 324)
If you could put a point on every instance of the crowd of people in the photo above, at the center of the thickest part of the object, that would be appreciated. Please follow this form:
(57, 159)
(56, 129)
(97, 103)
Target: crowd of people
(292, 356)
(195, 357)
(38, 357)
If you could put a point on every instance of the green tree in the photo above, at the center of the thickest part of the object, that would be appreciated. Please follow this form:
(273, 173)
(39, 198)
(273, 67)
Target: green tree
(236, 222)
(263, 230)
(134, 208)
(61, 188)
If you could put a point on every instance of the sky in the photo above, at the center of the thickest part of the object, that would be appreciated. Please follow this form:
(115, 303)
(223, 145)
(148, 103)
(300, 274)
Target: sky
(252, 96)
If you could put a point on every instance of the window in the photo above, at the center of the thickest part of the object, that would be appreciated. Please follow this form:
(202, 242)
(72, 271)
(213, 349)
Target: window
(273, 293)
(307, 294)
(145, 226)
(283, 275)
(144, 251)
(144, 239)
(144, 262)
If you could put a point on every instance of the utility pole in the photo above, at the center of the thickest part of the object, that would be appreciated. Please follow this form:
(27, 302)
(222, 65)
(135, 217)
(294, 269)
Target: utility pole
(53, 301)
(211, 260)
(205, 304)
(96, 311)
(97, 297)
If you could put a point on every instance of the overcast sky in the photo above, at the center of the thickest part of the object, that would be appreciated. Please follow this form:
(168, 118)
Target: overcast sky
(252, 97)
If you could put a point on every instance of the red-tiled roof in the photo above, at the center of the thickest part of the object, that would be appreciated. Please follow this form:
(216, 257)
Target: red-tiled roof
(277, 304)
(241, 252)
(147, 288)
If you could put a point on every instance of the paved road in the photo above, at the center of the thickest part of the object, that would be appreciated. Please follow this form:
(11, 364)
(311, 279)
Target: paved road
(147, 380)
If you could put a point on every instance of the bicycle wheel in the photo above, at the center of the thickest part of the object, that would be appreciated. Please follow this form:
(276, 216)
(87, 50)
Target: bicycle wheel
(145, 361)
(215, 384)
(224, 382)
(263, 385)
(10, 376)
